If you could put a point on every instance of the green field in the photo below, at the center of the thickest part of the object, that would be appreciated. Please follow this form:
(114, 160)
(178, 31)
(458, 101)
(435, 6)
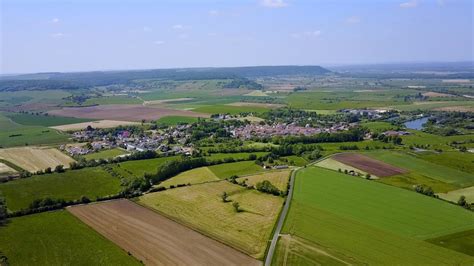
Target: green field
(194, 176)
(457, 160)
(236, 156)
(296, 160)
(112, 100)
(429, 105)
(201, 208)
(454, 195)
(378, 126)
(138, 168)
(224, 109)
(31, 136)
(57, 238)
(175, 120)
(431, 170)
(338, 214)
(105, 154)
(70, 185)
(227, 170)
(42, 120)
(462, 242)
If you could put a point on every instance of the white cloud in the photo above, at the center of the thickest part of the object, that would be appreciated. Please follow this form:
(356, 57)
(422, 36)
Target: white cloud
(353, 20)
(58, 35)
(273, 3)
(178, 27)
(147, 29)
(409, 4)
(55, 20)
(159, 42)
(213, 12)
(307, 34)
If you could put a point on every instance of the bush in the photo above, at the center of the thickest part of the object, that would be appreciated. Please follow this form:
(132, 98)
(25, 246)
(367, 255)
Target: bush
(267, 187)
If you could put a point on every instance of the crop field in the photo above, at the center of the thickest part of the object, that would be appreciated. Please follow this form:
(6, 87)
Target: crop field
(57, 238)
(112, 100)
(23, 135)
(105, 154)
(194, 176)
(125, 112)
(434, 141)
(368, 165)
(454, 159)
(378, 126)
(278, 178)
(462, 242)
(432, 170)
(332, 164)
(35, 158)
(201, 208)
(154, 239)
(227, 170)
(6, 170)
(70, 185)
(343, 214)
(454, 195)
(138, 168)
(430, 105)
(224, 109)
(43, 120)
(175, 120)
(411, 179)
(94, 124)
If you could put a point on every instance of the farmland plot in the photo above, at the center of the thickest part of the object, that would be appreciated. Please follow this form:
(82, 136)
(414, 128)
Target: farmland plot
(34, 159)
(155, 239)
(369, 165)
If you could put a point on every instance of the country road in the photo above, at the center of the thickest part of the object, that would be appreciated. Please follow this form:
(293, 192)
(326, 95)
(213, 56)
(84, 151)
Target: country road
(284, 212)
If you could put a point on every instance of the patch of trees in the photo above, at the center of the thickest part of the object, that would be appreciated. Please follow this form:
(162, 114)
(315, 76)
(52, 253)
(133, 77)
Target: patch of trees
(243, 83)
(354, 134)
(48, 204)
(463, 203)
(267, 187)
(425, 190)
(42, 84)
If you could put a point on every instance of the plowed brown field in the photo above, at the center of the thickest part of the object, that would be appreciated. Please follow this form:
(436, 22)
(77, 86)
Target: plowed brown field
(154, 239)
(368, 165)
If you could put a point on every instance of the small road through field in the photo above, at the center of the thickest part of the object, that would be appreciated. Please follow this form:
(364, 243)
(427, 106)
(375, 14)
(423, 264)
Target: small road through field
(284, 212)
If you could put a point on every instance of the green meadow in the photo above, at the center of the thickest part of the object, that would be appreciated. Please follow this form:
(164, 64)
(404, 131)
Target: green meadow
(105, 154)
(42, 120)
(224, 109)
(175, 120)
(227, 170)
(58, 238)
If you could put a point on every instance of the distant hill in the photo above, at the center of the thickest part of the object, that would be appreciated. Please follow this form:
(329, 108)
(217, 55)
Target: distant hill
(56, 80)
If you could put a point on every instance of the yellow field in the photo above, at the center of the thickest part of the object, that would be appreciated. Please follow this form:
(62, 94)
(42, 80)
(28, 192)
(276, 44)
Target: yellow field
(6, 170)
(454, 195)
(335, 165)
(94, 124)
(34, 159)
(277, 178)
(201, 208)
(194, 176)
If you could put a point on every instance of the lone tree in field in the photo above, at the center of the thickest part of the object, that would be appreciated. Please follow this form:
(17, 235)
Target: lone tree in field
(236, 206)
(224, 197)
(462, 202)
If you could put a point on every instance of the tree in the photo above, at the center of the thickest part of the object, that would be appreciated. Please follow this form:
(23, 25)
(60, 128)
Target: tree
(368, 176)
(59, 168)
(48, 170)
(3, 209)
(85, 199)
(462, 201)
(236, 206)
(224, 197)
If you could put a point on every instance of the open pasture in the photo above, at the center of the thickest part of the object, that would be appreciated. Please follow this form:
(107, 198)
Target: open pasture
(57, 238)
(202, 208)
(368, 164)
(462, 242)
(138, 168)
(227, 170)
(250, 104)
(356, 221)
(105, 154)
(229, 109)
(194, 176)
(94, 124)
(175, 120)
(71, 185)
(278, 178)
(126, 112)
(34, 159)
(154, 239)
(462, 161)
(454, 195)
(43, 120)
(432, 170)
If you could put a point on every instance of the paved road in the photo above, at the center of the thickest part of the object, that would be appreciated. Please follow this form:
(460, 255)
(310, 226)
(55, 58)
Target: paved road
(281, 220)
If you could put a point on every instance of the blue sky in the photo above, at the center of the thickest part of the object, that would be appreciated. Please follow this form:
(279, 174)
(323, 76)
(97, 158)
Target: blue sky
(75, 35)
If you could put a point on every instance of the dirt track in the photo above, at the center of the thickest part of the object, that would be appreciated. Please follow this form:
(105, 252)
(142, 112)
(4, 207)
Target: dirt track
(368, 165)
(122, 112)
(154, 239)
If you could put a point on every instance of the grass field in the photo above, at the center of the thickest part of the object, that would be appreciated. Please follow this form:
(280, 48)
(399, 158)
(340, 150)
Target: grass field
(201, 207)
(368, 222)
(432, 170)
(175, 120)
(112, 100)
(57, 238)
(224, 109)
(462, 242)
(70, 185)
(31, 136)
(105, 154)
(236, 156)
(454, 195)
(378, 126)
(411, 179)
(194, 176)
(227, 170)
(34, 159)
(139, 168)
(296, 160)
(430, 105)
(278, 178)
(42, 120)
(457, 160)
